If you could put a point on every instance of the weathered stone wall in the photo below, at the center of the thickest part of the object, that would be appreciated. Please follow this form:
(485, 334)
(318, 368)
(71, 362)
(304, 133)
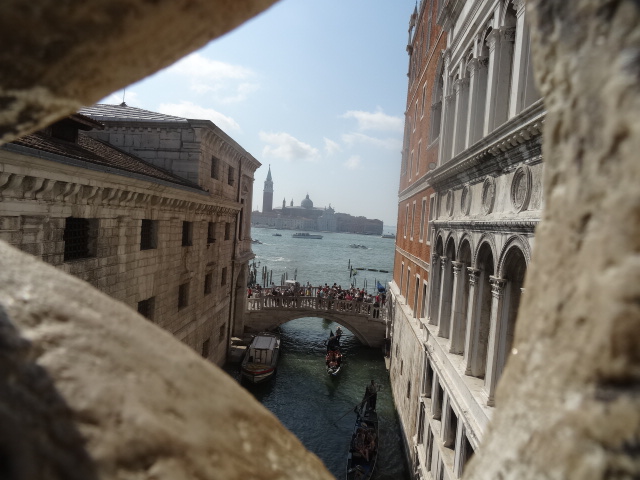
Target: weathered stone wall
(568, 404)
(90, 390)
(81, 53)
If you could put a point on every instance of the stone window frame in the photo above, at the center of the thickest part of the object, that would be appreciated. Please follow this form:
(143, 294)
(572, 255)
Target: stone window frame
(422, 219)
(227, 231)
(148, 234)
(205, 348)
(80, 238)
(208, 283)
(147, 308)
(211, 232)
(183, 295)
(215, 167)
(231, 177)
(187, 233)
(413, 220)
(431, 218)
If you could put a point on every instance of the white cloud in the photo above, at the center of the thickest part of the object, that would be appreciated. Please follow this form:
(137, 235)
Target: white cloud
(353, 163)
(352, 139)
(228, 82)
(285, 146)
(331, 147)
(377, 120)
(191, 110)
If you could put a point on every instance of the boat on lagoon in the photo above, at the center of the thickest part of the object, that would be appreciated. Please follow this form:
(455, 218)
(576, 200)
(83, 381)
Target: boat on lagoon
(260, 361)
(388, 235)
(307, 235)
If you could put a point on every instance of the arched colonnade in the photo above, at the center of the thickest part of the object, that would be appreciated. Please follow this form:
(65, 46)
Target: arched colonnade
(474, 297)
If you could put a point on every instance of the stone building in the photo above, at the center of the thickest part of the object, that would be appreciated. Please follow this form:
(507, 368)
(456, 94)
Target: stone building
(146, 207)
(469, 202)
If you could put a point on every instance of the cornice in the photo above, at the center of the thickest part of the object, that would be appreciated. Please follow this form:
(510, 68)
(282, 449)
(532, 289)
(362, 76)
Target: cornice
(417, 260)
(507, 226)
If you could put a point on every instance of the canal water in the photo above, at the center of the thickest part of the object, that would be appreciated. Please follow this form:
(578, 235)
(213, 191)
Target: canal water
(318, 408)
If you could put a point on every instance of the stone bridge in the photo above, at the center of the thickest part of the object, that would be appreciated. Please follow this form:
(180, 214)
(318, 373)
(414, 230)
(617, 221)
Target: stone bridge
(366, 322)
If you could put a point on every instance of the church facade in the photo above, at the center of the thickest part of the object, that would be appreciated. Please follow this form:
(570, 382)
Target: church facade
(470, 199)
(307, 217)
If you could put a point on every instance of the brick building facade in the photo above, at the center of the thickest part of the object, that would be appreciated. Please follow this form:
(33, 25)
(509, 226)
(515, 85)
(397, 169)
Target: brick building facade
(470, 198)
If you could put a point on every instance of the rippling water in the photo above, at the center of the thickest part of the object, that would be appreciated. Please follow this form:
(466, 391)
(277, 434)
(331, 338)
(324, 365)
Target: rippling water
(318, 408)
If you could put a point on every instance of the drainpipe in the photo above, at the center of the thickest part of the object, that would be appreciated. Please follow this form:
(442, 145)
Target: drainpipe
(232, 305)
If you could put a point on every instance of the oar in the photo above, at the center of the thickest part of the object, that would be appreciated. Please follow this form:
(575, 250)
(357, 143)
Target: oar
(353, 408)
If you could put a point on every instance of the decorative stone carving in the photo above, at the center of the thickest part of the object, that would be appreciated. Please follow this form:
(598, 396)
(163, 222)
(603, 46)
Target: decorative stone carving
(449, 203)
(465, 200)
(488, 195)
(474, 275)
(521, 188)
(497, 286)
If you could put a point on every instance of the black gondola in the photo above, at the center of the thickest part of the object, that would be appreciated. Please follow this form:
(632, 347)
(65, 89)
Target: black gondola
(363, 449)
(333, 359)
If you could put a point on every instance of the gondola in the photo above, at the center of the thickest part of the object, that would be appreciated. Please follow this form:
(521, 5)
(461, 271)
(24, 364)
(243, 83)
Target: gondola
(363, 448)
(260, 361)
(333, 358)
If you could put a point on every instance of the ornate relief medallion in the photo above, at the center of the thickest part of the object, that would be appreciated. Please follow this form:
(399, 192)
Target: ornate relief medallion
(449, 203)
(465, 200)
(488, 195)
(521, 188)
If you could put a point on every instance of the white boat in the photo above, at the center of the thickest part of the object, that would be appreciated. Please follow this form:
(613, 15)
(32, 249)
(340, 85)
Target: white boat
(260, 361)
(307, 235)
(388, 235)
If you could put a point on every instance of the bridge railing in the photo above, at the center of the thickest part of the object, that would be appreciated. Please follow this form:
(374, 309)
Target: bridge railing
(318, 304)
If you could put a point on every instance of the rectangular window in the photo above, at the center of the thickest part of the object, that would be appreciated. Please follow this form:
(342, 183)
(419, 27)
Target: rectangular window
(427, 377)
(80, 238)
(409, 389)
(146, 307)
(205, 348)
(408, 285)
(183, 295)
(423, 308)
(208, 283)
(451, 429)
(424, 99)
(422, 216)
(187, 234)
(406, 220)
(431, 217)
(416, 295)
(401, 277)
(418, 158)
(211, 232)
(148, 234)
(227, 231)
(215, 168)
(232, 175)
(413, 219)
(421, 416)
(410, 163)
(223, 278)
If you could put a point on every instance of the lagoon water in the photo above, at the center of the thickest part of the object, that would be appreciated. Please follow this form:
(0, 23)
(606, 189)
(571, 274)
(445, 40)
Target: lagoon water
(318, 408)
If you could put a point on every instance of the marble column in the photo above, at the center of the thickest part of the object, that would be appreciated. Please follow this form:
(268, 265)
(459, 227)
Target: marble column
(444, 311)
(434, 290)
(458, 303)
(495, 334)
(459, 135)
(473, 322)
(477, 99)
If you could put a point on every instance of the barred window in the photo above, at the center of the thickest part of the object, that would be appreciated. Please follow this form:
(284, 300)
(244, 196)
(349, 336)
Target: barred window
(148, 234)
(222, 334)
(187, 234)
(215, 168)
(183, 295)
(223, 279)
(80, 238)
(211, 232)
(227, 231)
(146, 307)
(208, 283)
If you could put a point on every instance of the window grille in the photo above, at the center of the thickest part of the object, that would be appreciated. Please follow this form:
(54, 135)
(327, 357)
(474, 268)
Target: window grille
(183, 295)
(148, 234)
(223, 330)
(147, 307)
(223, 280)
(80, 235)
(227, 231)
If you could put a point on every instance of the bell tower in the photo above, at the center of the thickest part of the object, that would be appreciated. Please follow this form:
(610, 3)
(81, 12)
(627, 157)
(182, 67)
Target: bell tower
(267, 194)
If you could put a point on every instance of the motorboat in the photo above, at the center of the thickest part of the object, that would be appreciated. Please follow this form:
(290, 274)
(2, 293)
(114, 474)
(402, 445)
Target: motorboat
(260, 360)
(307, 235)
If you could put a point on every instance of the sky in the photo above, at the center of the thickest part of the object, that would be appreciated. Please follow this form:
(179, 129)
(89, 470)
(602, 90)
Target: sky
(315, 89)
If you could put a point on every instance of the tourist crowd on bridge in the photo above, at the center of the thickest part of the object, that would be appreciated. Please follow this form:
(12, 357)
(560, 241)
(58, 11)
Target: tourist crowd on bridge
(334, 292)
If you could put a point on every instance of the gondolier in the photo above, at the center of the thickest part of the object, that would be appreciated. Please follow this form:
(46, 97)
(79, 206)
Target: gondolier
(371, 395)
